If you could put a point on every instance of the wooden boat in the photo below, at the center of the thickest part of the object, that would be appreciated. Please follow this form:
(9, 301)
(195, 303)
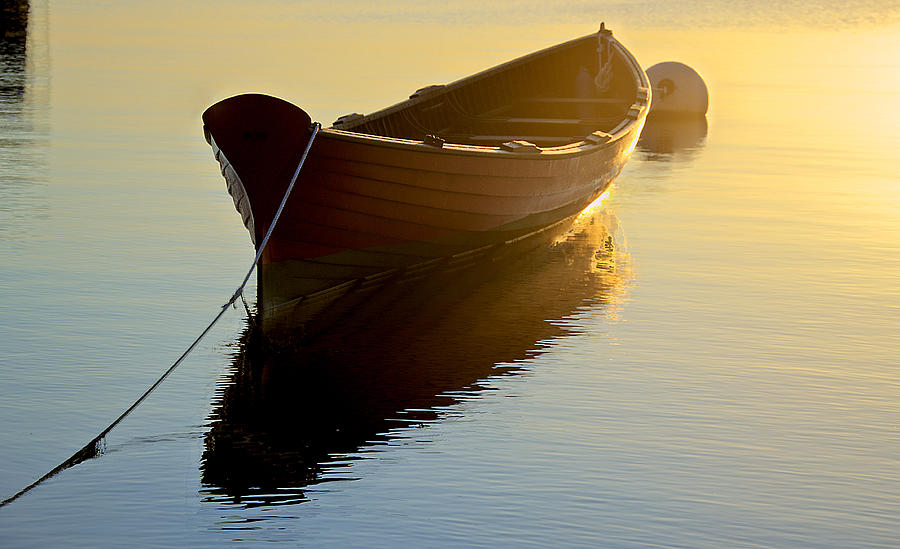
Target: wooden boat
(449, 175)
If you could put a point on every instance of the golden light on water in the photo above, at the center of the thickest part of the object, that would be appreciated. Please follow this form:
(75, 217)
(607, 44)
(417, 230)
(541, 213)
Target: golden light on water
(595, 206)
(586, 217)
(637, 136)
(728, 371)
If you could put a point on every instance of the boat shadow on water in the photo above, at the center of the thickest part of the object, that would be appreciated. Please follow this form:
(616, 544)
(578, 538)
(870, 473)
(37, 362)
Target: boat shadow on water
(295, 410)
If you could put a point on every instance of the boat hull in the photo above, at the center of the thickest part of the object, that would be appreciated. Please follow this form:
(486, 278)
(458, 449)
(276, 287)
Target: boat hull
(370, 209)
(363, 212)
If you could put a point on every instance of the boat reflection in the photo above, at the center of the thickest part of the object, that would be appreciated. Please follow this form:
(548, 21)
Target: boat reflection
(24, 101)
(293, 412)
(667, 138)
(13, 34)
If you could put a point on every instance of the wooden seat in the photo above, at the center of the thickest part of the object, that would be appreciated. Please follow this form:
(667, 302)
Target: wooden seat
(505, 138)
(578, 100)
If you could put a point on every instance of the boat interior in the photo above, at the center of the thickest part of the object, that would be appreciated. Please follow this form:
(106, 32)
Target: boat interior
(549, 98)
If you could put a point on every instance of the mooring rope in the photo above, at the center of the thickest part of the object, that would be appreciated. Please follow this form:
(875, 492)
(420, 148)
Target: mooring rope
(94, 448)
(603, 80)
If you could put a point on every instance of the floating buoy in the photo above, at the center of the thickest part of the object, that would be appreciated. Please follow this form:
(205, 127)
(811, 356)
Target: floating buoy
(677, 89)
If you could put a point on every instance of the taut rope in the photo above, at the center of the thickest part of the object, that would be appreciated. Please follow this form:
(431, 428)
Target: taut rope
(94, 448)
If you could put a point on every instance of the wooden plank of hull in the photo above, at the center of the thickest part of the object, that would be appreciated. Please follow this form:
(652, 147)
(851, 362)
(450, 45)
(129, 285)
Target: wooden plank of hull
(343, 208)
(497, 188)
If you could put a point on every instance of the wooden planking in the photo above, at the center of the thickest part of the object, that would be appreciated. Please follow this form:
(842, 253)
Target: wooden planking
(459, 171)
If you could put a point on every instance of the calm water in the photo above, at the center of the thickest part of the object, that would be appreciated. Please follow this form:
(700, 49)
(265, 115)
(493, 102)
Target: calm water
(725, 376)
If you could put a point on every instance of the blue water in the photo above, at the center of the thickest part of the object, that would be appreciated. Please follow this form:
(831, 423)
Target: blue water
(725, 376)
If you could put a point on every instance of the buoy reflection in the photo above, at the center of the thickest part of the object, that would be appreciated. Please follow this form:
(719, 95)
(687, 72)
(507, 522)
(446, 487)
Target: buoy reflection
(666, 138)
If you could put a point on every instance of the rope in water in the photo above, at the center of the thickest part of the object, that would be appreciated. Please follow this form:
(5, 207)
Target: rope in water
(94, 448)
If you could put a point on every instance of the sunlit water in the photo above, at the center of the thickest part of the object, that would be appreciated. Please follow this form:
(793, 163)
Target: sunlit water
(726, 375)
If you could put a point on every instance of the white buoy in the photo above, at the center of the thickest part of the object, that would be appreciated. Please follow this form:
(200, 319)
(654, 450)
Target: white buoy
(677, 89)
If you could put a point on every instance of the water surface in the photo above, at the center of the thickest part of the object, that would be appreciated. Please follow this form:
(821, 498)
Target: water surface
(724, 374)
